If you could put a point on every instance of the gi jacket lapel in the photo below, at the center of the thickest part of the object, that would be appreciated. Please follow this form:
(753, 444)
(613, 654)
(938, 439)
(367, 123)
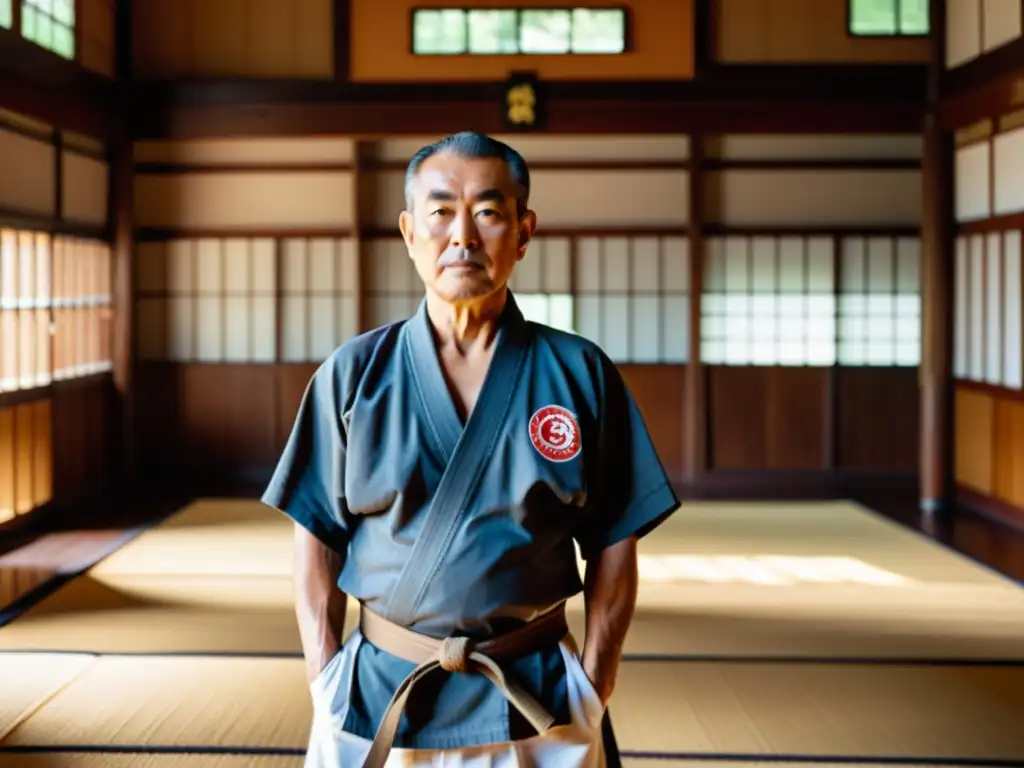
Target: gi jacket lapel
(465, 449)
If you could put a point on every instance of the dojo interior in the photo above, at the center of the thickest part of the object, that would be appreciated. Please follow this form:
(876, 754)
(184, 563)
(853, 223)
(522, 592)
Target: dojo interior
(794, 225)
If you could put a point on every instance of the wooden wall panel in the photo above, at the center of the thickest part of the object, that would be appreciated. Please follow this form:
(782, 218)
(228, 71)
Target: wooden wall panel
(989, 444)
(95, 33)
(1008, 454)
(26, 460)
(659, 391)
(245, 200)
(877, 419)
(82, 438)
(809, 147)
(662, 34)
(824, 198)
(206, 421)
(768, 417)
(84, 189)
(182, 39)
(27, 181)
(975, 439)
(975, 27)
(801, 31)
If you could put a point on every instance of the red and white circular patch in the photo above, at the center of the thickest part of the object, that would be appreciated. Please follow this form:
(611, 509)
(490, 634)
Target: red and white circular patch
(555, 433)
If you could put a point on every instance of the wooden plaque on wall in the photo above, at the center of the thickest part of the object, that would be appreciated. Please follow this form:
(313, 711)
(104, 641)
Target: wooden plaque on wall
(522, 103)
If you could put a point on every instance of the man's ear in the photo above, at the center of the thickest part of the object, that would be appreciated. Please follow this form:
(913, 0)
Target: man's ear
(405, 226)
(527, 226)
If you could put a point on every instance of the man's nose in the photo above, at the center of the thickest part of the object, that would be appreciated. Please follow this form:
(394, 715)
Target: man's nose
(465, 234)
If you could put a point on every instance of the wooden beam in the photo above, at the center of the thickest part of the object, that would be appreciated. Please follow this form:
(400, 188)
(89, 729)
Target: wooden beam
(936, 467)
(40, 84)
(997, 64)
(773, 99)
(992, 99)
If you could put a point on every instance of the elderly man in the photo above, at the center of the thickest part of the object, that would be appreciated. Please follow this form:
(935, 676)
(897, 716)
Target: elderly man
(441, 471)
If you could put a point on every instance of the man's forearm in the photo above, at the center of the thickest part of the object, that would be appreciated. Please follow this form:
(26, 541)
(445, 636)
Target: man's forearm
(319, 604)
(610, 593)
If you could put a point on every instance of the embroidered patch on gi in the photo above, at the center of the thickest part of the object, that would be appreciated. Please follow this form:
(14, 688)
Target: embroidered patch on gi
(555, 433)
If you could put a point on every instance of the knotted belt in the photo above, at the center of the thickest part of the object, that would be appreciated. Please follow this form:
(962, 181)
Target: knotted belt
(458, 654)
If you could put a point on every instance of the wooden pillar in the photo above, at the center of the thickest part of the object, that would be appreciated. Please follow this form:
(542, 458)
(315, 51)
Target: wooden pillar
(342, 39)
(122, 223)
(695, 405)
(936, 390)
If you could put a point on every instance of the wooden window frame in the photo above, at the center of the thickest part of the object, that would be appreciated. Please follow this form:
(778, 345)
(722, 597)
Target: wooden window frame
(627, 29)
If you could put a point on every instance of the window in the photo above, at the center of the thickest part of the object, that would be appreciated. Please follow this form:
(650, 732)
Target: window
(768, 301)
(320, 297)
(510, 31)
(50, 24)
(207, 300)
(988, 313)
(880, 301)
(82, 307)
(6, 13)
(542, 283)
(632, 296)
(55, 309)
(25, 268)
(882, 18)
(391, 288)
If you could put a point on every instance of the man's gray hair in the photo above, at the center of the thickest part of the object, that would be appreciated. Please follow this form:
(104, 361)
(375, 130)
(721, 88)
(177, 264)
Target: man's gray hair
(472, 145)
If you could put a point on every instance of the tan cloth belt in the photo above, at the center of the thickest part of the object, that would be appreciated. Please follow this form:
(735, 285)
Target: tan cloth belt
(458, 654)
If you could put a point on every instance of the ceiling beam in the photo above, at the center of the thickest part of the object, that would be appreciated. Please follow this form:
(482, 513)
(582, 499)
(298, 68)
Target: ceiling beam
(42, 85)
(779, 99)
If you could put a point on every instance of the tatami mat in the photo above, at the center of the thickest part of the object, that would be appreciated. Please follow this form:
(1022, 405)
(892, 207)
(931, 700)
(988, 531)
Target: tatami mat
(28, 681)
(719, 579)
(198, 701)
(748, 709)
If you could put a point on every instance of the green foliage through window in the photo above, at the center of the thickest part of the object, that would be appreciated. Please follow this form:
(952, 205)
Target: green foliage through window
(510, 31)
(6, 13)
(50, 24)
(880, 18)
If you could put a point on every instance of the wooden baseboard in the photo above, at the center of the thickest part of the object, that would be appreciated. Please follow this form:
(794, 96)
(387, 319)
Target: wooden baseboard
(991, 507)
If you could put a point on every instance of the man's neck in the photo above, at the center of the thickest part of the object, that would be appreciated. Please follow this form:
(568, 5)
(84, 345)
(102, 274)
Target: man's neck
(466, 326)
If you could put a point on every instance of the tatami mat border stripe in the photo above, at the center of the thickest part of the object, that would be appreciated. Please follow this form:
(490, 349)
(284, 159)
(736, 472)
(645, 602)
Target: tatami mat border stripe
(632, 754)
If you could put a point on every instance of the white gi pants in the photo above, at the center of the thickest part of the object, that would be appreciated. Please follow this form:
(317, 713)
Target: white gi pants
(577, 745)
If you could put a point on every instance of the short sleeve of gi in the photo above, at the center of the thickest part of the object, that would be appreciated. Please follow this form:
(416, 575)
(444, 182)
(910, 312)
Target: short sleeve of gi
(308, 483)
(633, 492)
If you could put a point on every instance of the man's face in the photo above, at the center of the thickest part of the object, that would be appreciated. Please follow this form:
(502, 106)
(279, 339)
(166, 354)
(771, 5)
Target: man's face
(464, 233)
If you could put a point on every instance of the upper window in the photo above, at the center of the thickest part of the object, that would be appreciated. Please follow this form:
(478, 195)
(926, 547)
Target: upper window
(448, 31)
(884, 18)
(6, 13)
(50, 24)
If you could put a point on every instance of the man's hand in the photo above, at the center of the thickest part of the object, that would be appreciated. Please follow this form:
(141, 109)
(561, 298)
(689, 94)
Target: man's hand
(319, 604)
(610, 593)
